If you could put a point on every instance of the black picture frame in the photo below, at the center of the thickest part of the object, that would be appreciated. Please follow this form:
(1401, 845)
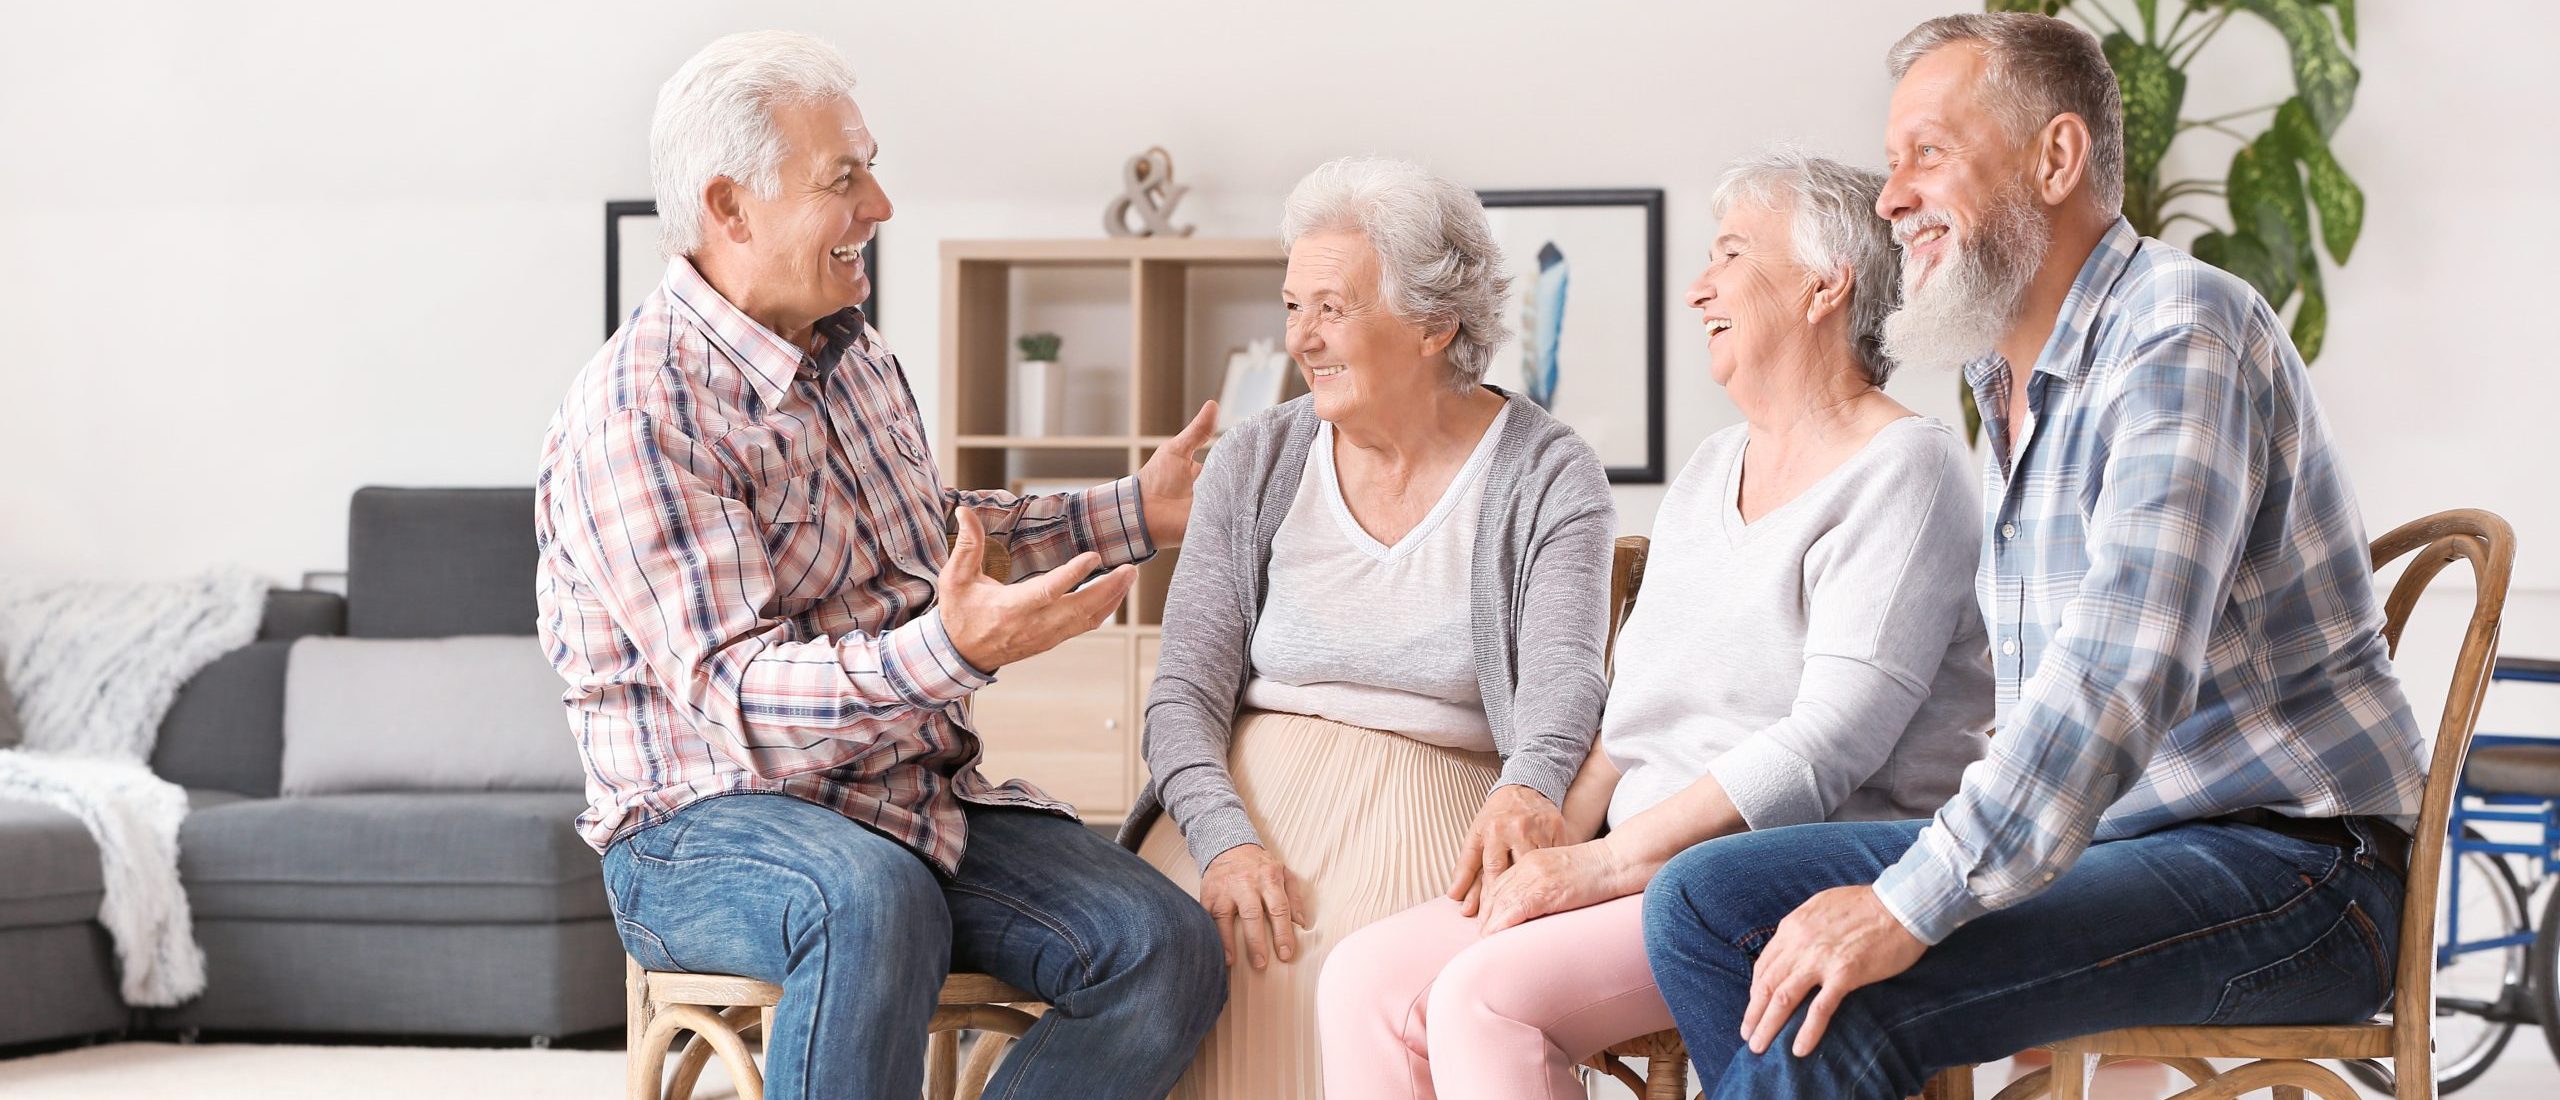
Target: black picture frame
(1653, 470)
(617, 211)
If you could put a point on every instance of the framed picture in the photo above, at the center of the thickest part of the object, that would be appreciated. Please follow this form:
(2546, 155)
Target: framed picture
(1586, 317)
(632, 265)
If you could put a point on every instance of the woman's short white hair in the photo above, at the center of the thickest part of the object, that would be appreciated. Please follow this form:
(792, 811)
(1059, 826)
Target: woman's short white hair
(1438, 265)
(715, 118)
(1834, 223)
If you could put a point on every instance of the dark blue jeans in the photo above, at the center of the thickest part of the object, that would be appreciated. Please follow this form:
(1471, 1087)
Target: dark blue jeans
(858, 931)
(2204, 923)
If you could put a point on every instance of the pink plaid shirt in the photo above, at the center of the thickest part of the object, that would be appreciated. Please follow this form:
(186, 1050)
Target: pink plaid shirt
(739, 545)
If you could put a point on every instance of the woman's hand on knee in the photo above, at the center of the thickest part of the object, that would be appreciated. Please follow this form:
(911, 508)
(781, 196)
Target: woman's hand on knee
(1514, 822)
(1558, 880)
(1254, 899)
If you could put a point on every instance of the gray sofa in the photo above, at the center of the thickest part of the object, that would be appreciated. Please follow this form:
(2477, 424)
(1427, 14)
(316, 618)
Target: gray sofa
(475, 914)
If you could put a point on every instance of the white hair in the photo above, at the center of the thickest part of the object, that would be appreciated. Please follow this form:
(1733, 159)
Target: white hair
(1834, 225)
(715, 118)
(1438, 265)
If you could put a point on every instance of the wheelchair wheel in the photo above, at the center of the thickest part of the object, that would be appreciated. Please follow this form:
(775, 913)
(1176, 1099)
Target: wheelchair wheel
(2480, 995)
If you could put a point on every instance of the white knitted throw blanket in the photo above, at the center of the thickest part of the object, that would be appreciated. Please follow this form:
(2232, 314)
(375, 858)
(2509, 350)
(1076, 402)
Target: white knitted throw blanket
(94, 666)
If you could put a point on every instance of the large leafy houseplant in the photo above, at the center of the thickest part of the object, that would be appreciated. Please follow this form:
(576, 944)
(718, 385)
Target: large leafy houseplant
(2282, 172)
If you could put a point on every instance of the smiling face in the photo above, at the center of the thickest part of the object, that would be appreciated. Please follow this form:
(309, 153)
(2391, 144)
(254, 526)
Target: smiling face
(1359, 358)
(1963, 210)
(803, 246)
(1753, 297)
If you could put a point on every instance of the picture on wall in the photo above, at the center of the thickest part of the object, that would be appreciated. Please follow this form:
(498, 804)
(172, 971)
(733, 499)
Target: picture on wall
(1586, 317)
(633, 266)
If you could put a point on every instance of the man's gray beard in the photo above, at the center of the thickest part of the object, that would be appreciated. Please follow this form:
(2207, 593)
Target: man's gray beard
(1961, 313)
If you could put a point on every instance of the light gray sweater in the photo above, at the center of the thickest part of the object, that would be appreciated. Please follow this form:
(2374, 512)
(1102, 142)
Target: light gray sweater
(1825, 661)
(1540, 616)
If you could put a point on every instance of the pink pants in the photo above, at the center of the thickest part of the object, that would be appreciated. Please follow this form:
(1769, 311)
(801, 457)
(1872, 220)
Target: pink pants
(1422, 1005)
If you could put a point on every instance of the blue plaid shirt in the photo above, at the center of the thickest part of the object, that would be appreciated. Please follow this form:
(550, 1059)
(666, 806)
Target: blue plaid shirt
(2178, 590)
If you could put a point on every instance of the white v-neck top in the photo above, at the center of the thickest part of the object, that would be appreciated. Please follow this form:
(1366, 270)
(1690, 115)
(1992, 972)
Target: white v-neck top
(1379, 636)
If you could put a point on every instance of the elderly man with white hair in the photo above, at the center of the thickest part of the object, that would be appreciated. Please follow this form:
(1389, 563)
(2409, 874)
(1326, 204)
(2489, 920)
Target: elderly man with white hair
(1383, 648)
(770, 648)
(1805, 650)
(2194, 806)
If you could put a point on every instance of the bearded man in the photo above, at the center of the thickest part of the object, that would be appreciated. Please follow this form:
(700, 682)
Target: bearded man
(2195, 806)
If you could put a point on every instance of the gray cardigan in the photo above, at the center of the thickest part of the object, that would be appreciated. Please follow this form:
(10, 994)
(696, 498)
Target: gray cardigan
(1543, 544)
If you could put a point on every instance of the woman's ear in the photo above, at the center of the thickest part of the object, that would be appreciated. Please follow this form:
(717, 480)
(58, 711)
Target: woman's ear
(1830, 294)
(1435, 341)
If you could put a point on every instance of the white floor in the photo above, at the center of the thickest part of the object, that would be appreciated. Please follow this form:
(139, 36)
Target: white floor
(219, 1071)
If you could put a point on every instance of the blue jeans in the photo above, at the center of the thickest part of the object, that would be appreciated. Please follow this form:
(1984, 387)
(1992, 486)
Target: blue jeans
(2203, 923)
(859, 931)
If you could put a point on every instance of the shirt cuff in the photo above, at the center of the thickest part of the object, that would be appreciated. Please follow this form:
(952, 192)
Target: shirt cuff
(924, 666)
(1112, 521)
(1926, 891)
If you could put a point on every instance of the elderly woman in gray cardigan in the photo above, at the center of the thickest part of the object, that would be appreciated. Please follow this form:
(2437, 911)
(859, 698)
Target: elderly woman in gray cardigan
(1383, 647)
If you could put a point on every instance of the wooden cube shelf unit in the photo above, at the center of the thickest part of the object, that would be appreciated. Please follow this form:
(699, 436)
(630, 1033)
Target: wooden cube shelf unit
(1068, 719)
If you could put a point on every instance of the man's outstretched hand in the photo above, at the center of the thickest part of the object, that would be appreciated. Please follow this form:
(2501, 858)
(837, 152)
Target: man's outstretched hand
(1165, 482)
(995, 624)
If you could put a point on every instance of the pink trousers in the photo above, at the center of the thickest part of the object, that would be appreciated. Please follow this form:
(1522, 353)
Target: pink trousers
(1422, 1005)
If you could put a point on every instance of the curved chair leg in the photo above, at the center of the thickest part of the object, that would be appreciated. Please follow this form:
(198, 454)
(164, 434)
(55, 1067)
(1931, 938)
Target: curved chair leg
(646, 1062)
(984, 1055)
(697, 1053)
(941, 1064)
(723, 1038)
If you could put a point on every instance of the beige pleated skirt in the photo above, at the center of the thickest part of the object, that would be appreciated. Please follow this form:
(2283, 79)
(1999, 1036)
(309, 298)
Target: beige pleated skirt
(1369, 823)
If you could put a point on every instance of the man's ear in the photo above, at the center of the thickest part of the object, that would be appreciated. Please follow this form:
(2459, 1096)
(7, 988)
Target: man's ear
(1830, 293)
(2062, 158)
(722, 212)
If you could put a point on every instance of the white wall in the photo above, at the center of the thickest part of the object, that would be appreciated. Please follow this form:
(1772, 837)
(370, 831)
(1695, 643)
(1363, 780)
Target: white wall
(259, 255)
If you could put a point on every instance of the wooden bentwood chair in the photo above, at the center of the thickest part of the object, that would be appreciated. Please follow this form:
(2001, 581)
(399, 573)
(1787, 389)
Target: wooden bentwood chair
(2280, 1059)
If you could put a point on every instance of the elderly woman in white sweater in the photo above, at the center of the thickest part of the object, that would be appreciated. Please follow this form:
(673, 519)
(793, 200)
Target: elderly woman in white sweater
(1383, 647)
(1805, 648)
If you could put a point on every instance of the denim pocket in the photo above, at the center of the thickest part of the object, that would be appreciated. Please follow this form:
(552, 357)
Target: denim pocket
(2342, 977)
(644, 946)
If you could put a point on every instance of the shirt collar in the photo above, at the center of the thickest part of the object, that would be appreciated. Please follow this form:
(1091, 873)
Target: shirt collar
(769, 361)
(2066, 353)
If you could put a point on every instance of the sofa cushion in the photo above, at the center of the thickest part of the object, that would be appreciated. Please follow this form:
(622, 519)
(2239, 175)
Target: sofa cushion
(431, 563)
(10, 732)
(52, 875)
(507, 856)
(425, 714)
(225, 730)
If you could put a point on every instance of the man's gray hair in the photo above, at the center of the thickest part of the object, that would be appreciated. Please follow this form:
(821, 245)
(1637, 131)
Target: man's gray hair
(2038, 67)
(715, 118)
(1832, 209)
(1438, 265)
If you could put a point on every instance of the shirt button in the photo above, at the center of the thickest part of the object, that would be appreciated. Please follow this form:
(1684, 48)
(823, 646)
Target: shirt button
(2008, 530)
(2048, 876)
(2009, 647)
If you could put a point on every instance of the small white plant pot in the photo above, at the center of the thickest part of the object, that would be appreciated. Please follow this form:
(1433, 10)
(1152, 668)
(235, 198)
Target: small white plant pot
(1039, 397)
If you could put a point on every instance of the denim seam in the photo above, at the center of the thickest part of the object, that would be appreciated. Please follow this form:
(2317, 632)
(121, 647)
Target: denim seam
(2336, 865)
(1084, 956)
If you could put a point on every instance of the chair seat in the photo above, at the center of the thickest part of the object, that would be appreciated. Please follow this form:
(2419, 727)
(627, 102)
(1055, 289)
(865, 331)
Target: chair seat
(2365, 1040)
(2515, 769)
(678, 987)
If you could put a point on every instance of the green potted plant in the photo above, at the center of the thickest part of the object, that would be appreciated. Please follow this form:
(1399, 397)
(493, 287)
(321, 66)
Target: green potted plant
(1039, 403)
(2257, 219)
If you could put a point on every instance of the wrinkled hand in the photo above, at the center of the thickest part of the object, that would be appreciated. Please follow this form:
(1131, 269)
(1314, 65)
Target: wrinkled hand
(1557, 880)
(1837, 941)
(1250, 894)
(994, 624)
(1165, 482)
(1514, 822)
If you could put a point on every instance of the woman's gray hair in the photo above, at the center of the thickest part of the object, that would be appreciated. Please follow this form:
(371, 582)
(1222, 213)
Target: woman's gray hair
(1438, 265)
(2039, 67)
(715, 118)
(1834, 223)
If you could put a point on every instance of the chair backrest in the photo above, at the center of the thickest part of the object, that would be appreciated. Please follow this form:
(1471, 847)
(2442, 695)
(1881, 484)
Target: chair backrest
(2485, 541)
(1626, 575)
